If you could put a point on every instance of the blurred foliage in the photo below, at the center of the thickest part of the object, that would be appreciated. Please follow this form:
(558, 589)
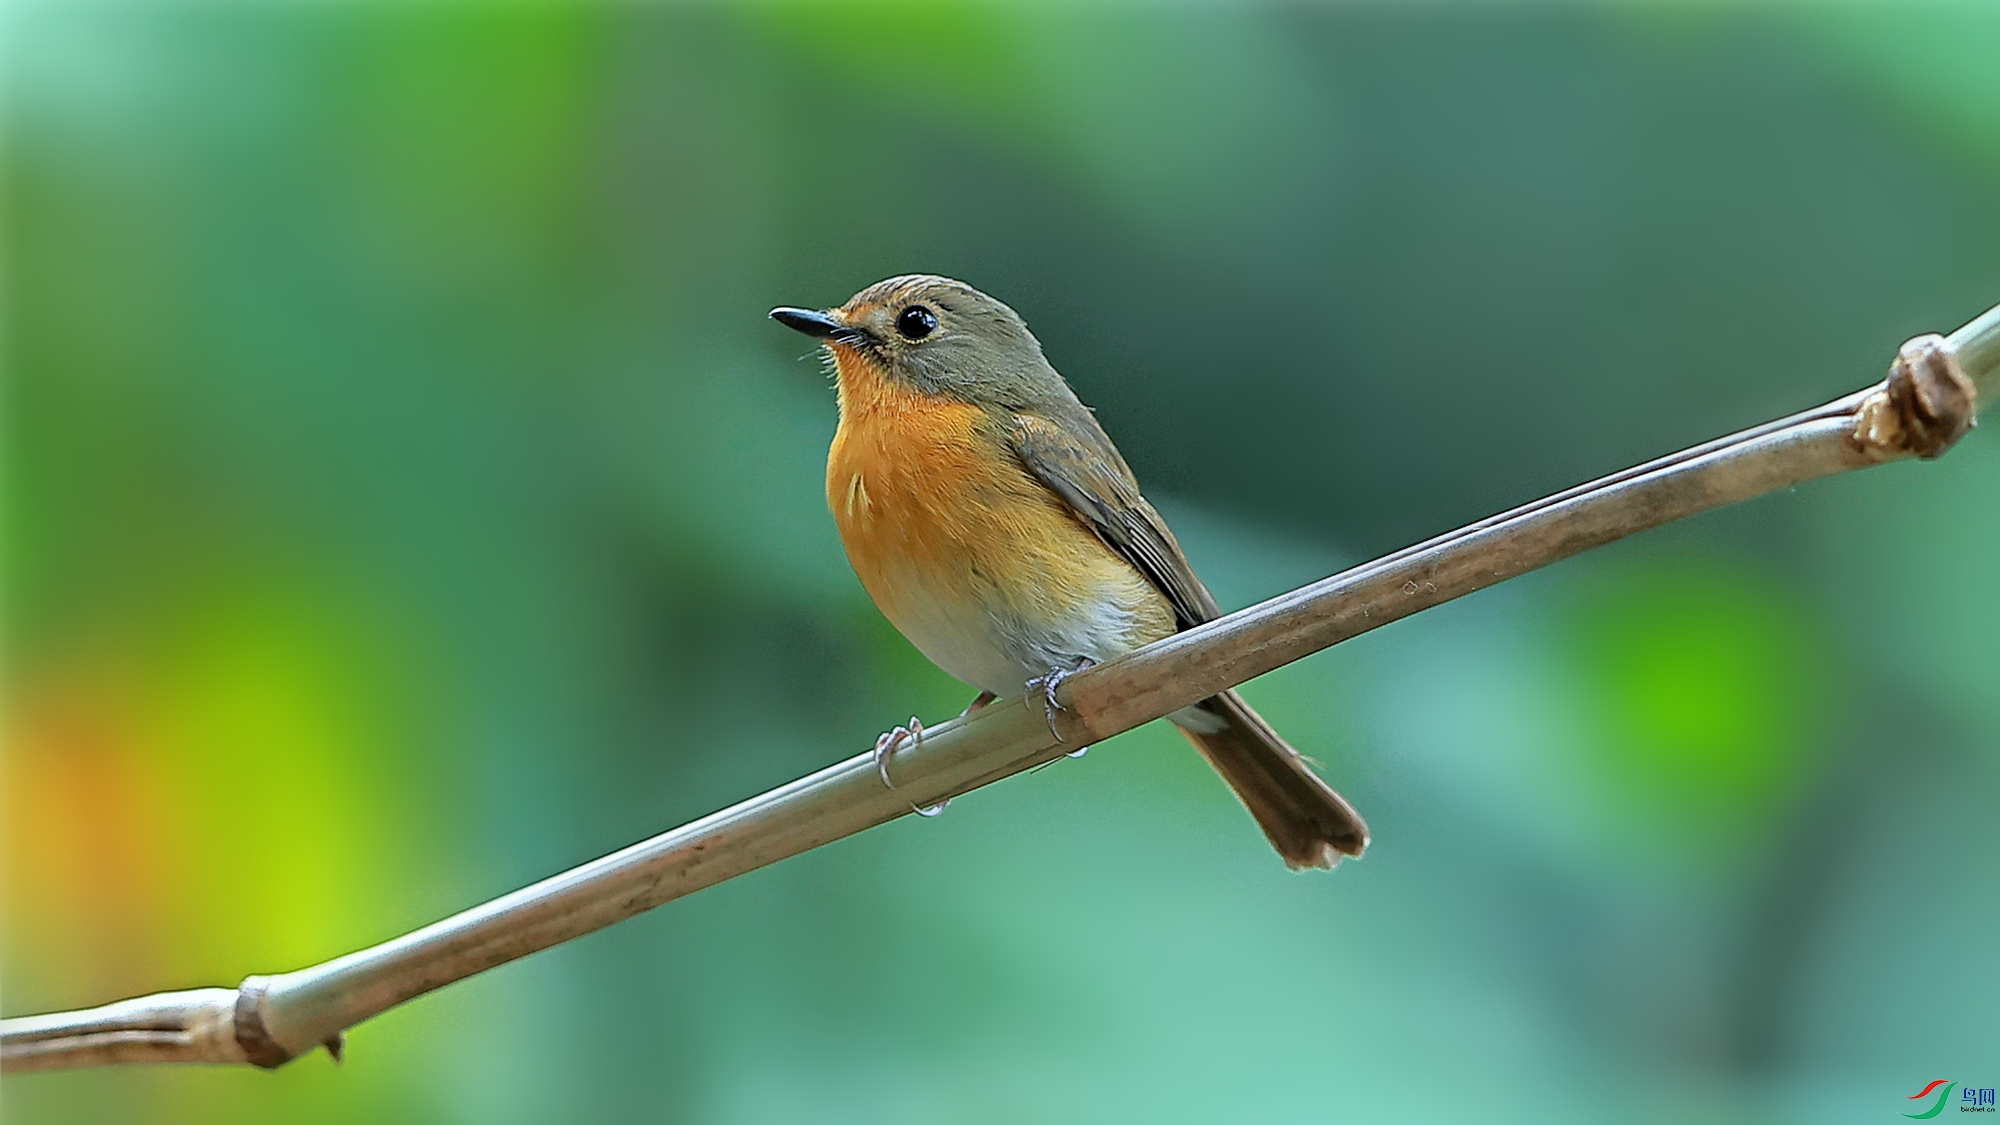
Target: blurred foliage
(406, 499)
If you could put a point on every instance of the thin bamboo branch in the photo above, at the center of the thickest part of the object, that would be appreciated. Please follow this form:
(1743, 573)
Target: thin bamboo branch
(1930, 397)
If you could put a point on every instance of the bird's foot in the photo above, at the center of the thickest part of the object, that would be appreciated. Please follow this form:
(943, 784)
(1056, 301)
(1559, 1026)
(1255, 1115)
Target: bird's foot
(1046, 686)
(887, 743)
(978, 704)
(886, 746)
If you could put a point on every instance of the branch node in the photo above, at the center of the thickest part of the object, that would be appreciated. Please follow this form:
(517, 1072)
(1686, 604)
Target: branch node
(252, 1036)
(1924, 405)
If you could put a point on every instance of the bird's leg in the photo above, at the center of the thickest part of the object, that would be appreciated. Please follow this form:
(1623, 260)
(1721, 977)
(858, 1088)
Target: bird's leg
(1046, 686)
(978, 704)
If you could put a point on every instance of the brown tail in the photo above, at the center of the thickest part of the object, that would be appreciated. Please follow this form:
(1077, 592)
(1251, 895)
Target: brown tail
(1309, 824)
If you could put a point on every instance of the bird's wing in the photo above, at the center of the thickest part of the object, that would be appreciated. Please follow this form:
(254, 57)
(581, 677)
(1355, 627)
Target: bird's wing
(1074, 458)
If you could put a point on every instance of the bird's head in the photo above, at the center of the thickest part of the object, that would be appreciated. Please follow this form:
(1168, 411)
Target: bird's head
(931, 335)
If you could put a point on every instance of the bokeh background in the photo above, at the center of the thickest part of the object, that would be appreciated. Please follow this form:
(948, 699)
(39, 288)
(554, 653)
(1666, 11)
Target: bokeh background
(406, 498)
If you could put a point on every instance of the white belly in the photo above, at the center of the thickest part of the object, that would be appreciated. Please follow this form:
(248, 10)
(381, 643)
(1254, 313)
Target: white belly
(995, 644)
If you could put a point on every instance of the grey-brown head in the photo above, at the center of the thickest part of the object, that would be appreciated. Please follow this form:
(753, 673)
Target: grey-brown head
(936, 336)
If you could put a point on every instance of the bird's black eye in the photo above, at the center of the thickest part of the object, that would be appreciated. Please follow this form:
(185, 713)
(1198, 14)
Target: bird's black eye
(916, 322)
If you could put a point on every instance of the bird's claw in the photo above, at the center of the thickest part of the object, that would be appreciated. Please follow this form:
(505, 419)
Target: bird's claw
(889, 741)
(1047, 685)
(886, 745)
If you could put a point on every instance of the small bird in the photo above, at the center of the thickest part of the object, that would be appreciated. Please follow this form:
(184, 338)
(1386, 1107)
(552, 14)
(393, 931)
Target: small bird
(995, 525)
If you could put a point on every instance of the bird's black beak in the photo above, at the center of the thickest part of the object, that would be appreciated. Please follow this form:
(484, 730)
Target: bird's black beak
(809, 322)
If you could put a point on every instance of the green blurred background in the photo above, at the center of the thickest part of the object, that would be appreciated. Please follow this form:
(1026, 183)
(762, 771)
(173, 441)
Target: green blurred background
(406, 498)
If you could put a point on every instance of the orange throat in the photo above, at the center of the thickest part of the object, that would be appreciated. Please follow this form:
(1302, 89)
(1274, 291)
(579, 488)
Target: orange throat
(901, 466)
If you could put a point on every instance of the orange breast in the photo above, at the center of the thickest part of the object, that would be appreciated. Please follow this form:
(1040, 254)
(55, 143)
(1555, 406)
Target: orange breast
(975, 561)
(915, 486)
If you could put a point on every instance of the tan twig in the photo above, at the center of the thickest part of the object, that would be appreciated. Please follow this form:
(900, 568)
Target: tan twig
(1929, 399)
